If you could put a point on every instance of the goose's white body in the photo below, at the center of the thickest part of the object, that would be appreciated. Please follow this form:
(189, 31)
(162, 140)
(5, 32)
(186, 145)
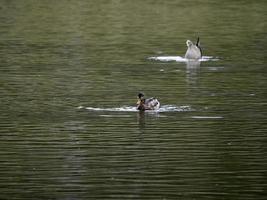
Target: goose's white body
(193, 51)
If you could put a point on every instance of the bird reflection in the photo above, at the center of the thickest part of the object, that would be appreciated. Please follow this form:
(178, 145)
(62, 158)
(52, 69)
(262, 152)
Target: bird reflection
(144, 117)
(192, 65)
(141, 119)
(192, 71)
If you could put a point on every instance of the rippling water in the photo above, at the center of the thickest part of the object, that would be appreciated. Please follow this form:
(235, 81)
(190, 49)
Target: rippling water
(70, 73)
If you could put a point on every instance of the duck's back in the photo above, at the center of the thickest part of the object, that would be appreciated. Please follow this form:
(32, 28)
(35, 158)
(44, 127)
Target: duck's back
(152, 103)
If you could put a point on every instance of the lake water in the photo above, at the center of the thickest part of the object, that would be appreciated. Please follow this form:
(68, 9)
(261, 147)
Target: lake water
(70, 72)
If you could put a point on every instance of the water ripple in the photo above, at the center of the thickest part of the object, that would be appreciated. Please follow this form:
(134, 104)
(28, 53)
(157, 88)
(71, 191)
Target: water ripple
(181, 59)
(164, 108)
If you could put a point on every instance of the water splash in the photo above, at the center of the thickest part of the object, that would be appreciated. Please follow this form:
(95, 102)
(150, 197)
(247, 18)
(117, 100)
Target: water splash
(173, 108)
(120, 109)
(164, 108)
(181, 59)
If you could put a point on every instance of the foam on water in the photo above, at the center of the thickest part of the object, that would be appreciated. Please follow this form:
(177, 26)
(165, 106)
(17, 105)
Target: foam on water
(120, 109)
(181, 59)
(173, 108)
(165, 108)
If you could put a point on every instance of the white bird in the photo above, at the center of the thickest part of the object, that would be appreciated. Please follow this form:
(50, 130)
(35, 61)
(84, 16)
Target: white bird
(193, 51)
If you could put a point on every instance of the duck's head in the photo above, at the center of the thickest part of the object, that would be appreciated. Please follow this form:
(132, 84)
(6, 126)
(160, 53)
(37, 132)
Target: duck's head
(189, 43)
(140, 95)
(140, 101)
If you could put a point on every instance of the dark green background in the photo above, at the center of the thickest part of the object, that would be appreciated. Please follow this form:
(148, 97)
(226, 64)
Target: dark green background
(58, 55)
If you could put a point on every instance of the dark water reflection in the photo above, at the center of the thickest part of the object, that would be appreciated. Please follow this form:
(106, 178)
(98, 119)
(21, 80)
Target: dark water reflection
(58, 58)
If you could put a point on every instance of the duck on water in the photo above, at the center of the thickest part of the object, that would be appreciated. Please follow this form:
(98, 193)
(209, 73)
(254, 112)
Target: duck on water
(147, 104)
(194, 51)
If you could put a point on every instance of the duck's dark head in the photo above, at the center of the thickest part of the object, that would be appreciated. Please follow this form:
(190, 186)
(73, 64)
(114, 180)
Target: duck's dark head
(140, 102)
(140, 95)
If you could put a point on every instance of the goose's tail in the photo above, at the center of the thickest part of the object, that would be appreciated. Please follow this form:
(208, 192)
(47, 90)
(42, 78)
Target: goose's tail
(198, 45)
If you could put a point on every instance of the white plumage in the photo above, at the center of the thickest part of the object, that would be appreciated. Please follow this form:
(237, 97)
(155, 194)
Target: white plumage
(193, 51)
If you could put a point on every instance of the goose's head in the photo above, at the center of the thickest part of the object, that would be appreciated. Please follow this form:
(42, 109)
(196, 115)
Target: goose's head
(189, 43)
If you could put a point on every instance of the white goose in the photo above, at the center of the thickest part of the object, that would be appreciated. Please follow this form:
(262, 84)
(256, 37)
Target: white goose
(193, 51)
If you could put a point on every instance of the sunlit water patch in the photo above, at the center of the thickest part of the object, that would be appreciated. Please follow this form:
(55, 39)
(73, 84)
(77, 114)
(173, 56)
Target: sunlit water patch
(181, 59)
